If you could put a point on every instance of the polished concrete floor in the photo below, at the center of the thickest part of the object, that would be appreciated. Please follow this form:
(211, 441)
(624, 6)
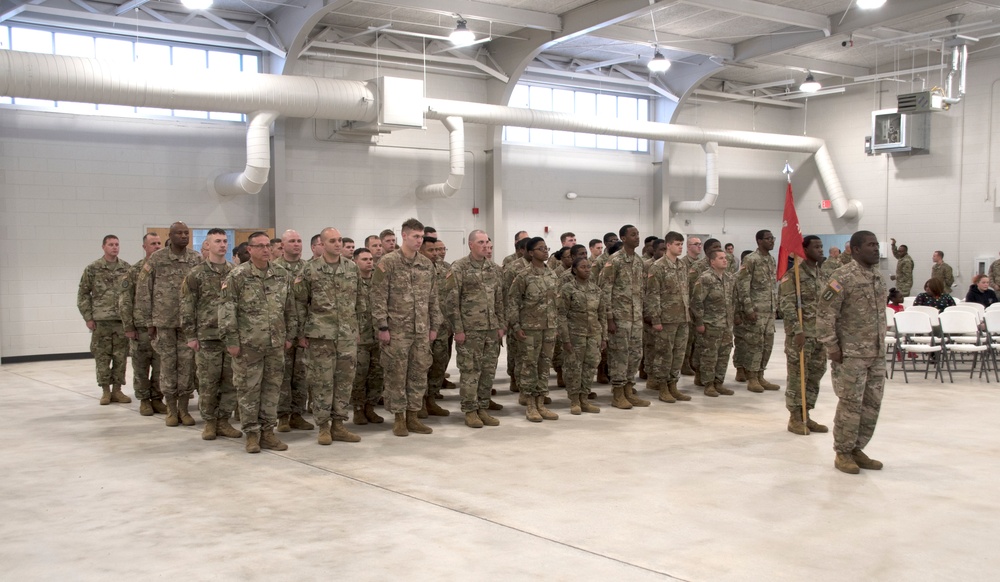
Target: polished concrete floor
(712, 489)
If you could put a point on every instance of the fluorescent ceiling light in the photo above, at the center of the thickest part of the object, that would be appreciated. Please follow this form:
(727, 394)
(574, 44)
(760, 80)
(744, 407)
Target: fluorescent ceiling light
(197, 4)
(658, 63)
(870, 4)
(811, 85)
(462, 36)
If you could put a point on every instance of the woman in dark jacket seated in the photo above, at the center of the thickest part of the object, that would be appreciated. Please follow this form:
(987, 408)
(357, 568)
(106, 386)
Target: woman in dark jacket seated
(934, 295)
(980, 292)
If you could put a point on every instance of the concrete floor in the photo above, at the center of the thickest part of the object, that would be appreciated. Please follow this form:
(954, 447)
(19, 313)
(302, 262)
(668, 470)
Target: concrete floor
(712, 489)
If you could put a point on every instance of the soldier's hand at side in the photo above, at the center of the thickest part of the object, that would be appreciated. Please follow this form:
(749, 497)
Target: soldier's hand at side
(234, 352)
(303, 342)
(658, 327)
(383, 336)
(835, 355)
(152, 333)
(700, 329)
(520, 335)
(132, 335)
(612, 328)
(460, 337)
(568, 347)
(91, 324)
(737, 320)
(752, 317)
(288, 345)
(800, 340)
(194, 345)
(431, 336)
(604, 345)
(500, 333)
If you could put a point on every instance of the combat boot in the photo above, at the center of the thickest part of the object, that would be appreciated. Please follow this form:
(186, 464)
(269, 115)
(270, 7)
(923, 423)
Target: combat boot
(753, 384)
(592, 396)
(532, 412)
(741, 374)
(844, 462)
(422, 413)
(560, 382)
(574, 404)
(340, 433)
(182, 411)
(697, 378)
(723, 390)
(371, 415)
(253, 442)
(587, 407)
(118, 396)
(359, 415)
(433, 409)
(171, 419)
(634, 400)
(665, 395)
(224, 429)
(602, 369)
(546, 400)
(764, 383)
(523, 399)
(324, 438)
(795, 424)
(208, 433)
(472, 419)
(145, 407)
(862, 460)
(642, 369)
(487, 419)
(680, 397)
(283, 425)
(513, 384)
(686, 369)
(298, 423)
(494, 405)
(413, 423)
(158, 406)
(399, 425)
(618, 399)
(815, 426)
(710, 390)
(545, 413)
(105, 395)
(268, 440)
(653, 384)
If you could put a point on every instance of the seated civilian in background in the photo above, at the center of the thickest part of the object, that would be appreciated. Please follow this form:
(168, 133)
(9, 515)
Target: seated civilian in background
(895, 301)
(980, 292)
(934, 295)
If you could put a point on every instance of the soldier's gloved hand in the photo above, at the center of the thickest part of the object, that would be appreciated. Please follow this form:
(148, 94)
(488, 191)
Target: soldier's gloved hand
(800, 340)
(91, 324)
(835, 355)
(460, 337)
(194, 345)
(568, 347)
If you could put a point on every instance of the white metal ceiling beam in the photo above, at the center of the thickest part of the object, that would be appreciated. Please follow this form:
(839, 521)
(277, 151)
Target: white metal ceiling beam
(601, 64)
(599, 78)
(667, 41)
(377, 52)
(731, 97)
(129, 6)
(86, 6)
(18, 9)
(480, 11)
(744, 88)
(774, 13)
(816, 66)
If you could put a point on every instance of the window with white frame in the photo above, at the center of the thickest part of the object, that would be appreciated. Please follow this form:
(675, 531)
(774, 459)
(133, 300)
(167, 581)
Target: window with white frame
(123, 50)
(580, 103)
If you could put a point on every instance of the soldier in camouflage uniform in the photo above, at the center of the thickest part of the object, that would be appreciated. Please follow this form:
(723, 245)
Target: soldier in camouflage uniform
(801, 343)
(583, 332)
(759, 303)
(475, 309)
(740, 326)
(666, 307)
(257, 322)
(622, 283)
(521, 235)
(904, 268)
(294, 395)
(659, 247)
(404, 303)
(942, 270)
(731, 266)
(145, 361)
(510, 271)
(158, 301)
(440, 348)
(563, 272)
(694, 272)
(610, 238)
(326, 297)
(851, 324)
(97, 299)
(368, 371)
(712, 312)
(201, 294)
(994, 274)
(693, 248)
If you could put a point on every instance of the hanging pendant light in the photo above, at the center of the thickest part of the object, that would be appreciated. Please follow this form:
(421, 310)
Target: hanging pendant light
(659, 63)
(462, 36)
(197, 4)
(811, 85)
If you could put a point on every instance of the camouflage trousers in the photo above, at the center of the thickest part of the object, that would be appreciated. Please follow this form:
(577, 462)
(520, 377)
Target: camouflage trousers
(294, 390)
(858, 384)
(440, 358)
(624, 352)
(145, 367)
(557, 356)
(257, 375)
(176, 362)
(815, 359)
(367, 376)
(903, 285)
(216, 394)
(666, 354)
(760, 340)
(330, 375)
(511, 357)
(580, 364)
(713, 358)
(477, 363)
(690, 350)
(740, 346)
(535, 361)
(405, 361)
(110, 348)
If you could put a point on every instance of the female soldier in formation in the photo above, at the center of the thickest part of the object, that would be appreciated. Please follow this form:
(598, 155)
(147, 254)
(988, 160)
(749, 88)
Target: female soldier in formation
(582, 333)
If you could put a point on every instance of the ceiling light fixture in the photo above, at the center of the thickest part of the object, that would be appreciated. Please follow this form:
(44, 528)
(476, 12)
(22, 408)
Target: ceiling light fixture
(659, 63)
(197, 4)
(462, 36)
(870, 4)
(811, 85)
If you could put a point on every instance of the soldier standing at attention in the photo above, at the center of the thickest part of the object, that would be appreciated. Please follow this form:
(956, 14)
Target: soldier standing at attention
(622, 285)
(759, 298)
(145, 361)
(388, 239)
(97, 299)
(257, 323)
(942, 270)
(803, 337)
(440, 352)
(740, 326)
(731, 266)
(510, 271)
(566, 241)
(373, 244)
(201, 294)
(347, 251)
(316, 247)
(666, 306)
(521, 234)
(596, 249)
(712, 310)
(851, 324)
(904, 268)
(690, 257)
(294, 395)
(832, 263)
(326, 298)
(405, 310)
(368, 371)
(694, 272)
(158, 299)
(583, 331)
(476, 310)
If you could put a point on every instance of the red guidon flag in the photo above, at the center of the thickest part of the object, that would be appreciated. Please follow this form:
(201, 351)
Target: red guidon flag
(791, 234)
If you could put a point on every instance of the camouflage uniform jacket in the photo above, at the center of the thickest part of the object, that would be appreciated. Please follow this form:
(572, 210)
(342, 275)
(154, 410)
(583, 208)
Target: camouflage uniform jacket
(100, 286)
(844, 258)
(811, 282)
(582, 311)
(622, 283)
(943, 271)
(475, 295)
(201, 294)
(366, 328)
(404, 295)
(731, 267)
(326, 300)
(158, 294)
(531, 300)
(852, 312)
(994, 274)
(293, 267)
(712, 300)
(695, 270)
(442, 271)
(667, 297)
(257, 310)
(508, 259)
(131, 318)
(509, 272)
(758, 285)
(598, 266)
(829, 266)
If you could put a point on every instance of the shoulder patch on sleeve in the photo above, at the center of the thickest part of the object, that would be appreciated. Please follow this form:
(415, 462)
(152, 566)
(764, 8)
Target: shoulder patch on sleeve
(832, 287)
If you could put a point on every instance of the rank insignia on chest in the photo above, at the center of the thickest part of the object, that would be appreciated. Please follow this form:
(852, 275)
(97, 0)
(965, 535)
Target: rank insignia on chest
(124, 283)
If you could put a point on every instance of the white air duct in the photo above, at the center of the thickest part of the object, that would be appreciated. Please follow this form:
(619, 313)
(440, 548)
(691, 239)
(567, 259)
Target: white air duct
(711, 183)
(959, 63)
(253, 178)
(456, 147)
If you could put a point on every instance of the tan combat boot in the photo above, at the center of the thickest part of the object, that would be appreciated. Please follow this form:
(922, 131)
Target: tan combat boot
(741, 374)
(413, 423)
(723, 390)
(208, 433)
(815, 426)
(753, 384)
(665, 395)
(145, 407)
(340, 433)
(268, 440)
(523, 399)
(422, 413)
(298, 423)
(487, 419)
(118, 396)
(283, 423)
(472, 419)
(105, 395)
(710, 390)
(632, 398)
(399, 425)
(672, 387)
(844, 462)
(224, 429)
(654, 384)
(253, 442)
(697, 379)
(432, 407)
(587, 406)
(618, 399)
(371, 415)
(513, 384)
(764, 383)
(158, 406)
(182, 411)
(862, 460)
(494, 405)
(324, 438)
(359, 415)
(795, 424)
(532, 411)
(545, 413)
(171, 419)
(574, 404)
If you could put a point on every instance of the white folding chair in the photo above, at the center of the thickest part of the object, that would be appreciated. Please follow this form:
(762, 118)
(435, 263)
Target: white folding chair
(956, 325)
(931, 313)
(967, 308)
(994, 307)
(913, 327)
(992, 320)
(908, 302)
(972, 304)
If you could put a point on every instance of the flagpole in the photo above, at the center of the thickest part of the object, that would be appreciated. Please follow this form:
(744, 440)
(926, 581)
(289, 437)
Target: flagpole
(798, 308)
